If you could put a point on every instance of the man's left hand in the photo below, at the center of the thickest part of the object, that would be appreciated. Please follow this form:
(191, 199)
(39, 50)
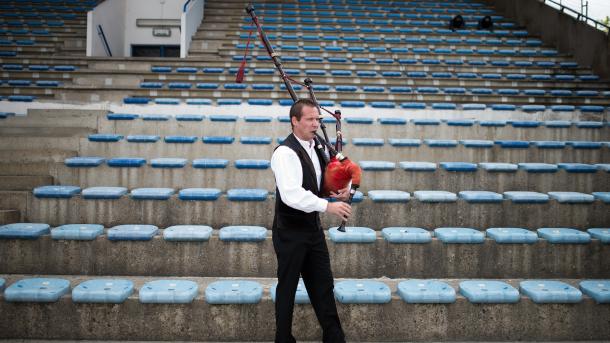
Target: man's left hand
(342, 194)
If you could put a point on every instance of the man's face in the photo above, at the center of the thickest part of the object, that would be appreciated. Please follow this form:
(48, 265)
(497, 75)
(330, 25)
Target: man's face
(306, 128)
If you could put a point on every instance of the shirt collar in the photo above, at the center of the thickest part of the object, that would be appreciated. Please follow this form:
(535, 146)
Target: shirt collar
(307, 145)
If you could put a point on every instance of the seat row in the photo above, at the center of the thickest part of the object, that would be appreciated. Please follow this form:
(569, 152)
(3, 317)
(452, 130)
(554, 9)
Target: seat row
(302, 4)
(360, 291)
(43, 32)
(21, 23)
(380, 196)
(28, 83)
(352, 234)
(38, 67)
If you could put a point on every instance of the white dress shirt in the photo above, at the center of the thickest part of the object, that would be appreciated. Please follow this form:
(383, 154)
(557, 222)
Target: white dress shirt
(288, 173)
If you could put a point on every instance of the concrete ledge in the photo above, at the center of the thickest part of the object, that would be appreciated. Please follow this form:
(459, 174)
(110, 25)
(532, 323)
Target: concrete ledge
(9, 216)
(233, 259)
(223, 212)
(388, 322)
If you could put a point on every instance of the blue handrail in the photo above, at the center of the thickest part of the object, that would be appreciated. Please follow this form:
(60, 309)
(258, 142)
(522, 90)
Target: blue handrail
(100, 33)
(185, 5)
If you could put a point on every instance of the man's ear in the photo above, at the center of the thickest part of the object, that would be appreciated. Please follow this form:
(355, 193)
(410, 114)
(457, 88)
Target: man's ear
(293, 121)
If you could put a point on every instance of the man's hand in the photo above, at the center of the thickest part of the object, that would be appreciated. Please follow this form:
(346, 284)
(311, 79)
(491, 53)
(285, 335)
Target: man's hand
(340, 209)
(342, 194)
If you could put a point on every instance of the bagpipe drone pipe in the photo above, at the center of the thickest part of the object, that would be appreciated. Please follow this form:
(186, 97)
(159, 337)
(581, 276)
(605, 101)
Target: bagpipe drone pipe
(340, 170)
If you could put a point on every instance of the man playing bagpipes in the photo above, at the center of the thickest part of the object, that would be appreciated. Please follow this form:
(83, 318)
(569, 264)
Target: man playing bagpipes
(306, 168)
(298, 236)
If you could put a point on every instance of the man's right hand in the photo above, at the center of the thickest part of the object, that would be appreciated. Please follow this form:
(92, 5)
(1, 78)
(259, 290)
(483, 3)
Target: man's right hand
(340, 209)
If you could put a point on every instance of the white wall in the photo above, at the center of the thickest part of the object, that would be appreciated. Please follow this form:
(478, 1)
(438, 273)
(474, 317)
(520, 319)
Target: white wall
(111, 16)
(189, 24)
(150, 9)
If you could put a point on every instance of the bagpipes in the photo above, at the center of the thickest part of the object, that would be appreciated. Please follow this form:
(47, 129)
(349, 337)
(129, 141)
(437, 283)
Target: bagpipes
(339, 169)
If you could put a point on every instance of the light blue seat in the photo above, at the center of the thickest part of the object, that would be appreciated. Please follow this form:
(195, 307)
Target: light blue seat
(368, 141)
(459, 166)
(352, 104)
(415, 74)
(577, 167)
(252, 164)
(388, 196)
(47, 83)
(604, 166)
(161, 69)
(247, 194)
(180, 139)
(207, 163)
(475, 143)
(426, 292)
(481, 91)
(192, 70)
(126, 162)
(459, 235)
(234, 292)
(187, 233)
(344, 88)
(538, 167)
(510, 144)
(603, 196)
(417, 166)
(391, 121)
(404, 142)
(498, 167)
(258, 119)
(260, 102)
(427, 90)
(255, 140)
(362, 292)
(218, 139)
(181, 85)
(142, 138)
(155, 117)
(503, 107)
(584, 144)
(377, 165)
(23, 230)
(353, 234)
(103, 192)
(489, 291)
(549, 144)
(550, 291)
(108, 291)
(597, 289)
(406, 235)
(480, 196)
(444, 106)
(435, 196)
(167, 101)
(512, 235)
(80, 232)
(558, 123)
(207, 85)
(168, 162)
(525, 123)
(151, 193)
(199, 101)
(382, 104)
(83, 161)
(301, 296)
(413, 105)
(572, 197)
(524, 197)
(201, 194)
(359, 120)
(168, 292)
(122, 116)
(228, 101)
(426, 121)
(562, 108)
(460, 122)
(37, 290)
(56, 191)
(564, 235)
(132, 232)
(589, 124)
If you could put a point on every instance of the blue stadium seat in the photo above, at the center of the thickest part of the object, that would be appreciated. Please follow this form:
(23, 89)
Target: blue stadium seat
(524, 197)
(187, 233)
(489, 291)
(377, 165)
(509, 144)
(189, 117)
(572, 197)
(168, 292)
(441, 143)
(539, 167)
(562, 108)
(56, 191)
(166, 162)
(180, 139)
(388, 196)
(458, 166)
(603, 196)
(242, 233)
(368, 141)
(101, 137)
(382, 104)
(352, 234)
(218, 139)
(142, 138)
(548, 291)
(577, 167)
(425, 121)
(481, 91)
(406, 235)
(21, 98)
(252, 164)
(498, 167)
(564, 235)
(426, 292)
(199, 101)
(435, 196)
(404, 142)
(104, 192)
(109, 291)
(417, 166)
(589, 124)
(132, 232)
(155, 117)
(37, 290)
(23, 230)
(151, 193)
(359, 120)
(362, 292)
(47, 83)
(459, 235)
(161, 69)
(473, 143)
(525, 123)
(201, 194)
(234, 292)
(129, 162)
(83, 161)
(533, 108)
(247, 194)
(512, 235)
(597, 289)
(444, 106)
(352, 104)
(480, 196)
(590, 108)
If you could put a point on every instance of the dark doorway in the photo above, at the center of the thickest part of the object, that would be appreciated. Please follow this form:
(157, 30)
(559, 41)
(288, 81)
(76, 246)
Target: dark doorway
(155, 51)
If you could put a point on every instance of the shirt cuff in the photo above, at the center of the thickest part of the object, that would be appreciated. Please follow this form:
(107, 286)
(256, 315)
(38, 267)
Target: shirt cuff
(321, 205)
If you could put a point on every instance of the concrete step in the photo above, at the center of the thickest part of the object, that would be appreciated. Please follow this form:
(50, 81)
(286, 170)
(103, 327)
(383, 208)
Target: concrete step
(216, 258)
(35, 156)
(9, 216)
(399, 179)
(45, 132)
(223, 212)
(23, 182)
(387, 152)
(393, 321)
(30, 142)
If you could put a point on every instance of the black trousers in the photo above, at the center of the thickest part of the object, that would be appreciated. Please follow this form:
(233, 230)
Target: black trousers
(306, 254)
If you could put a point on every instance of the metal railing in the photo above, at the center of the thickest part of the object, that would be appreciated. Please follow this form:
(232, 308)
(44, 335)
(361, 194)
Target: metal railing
(100, 33)
(578, 15)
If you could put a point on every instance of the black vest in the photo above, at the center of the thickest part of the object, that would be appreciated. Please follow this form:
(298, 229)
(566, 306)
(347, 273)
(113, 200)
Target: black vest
(288, 218)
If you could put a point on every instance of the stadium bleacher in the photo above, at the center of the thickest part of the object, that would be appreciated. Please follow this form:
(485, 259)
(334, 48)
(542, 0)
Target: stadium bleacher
(483, 213)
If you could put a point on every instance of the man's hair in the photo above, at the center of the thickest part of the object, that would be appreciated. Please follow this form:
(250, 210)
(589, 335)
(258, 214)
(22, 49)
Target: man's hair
(297, 108)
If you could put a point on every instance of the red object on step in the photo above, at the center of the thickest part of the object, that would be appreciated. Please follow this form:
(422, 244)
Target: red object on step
(338, 174)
